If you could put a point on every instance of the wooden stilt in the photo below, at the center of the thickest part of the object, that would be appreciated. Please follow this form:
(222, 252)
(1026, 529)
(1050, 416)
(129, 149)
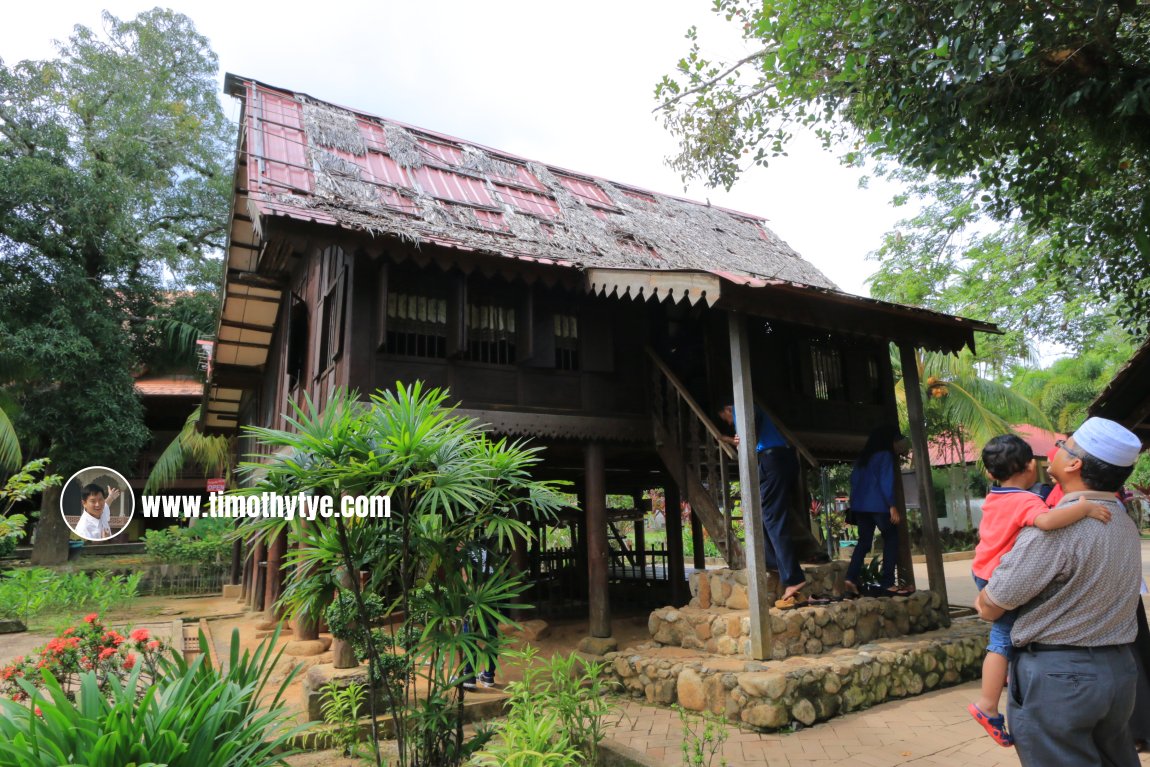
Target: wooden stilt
(697, 543)
(598, 558)
(931, 542)
(677, 574)
(755, 545)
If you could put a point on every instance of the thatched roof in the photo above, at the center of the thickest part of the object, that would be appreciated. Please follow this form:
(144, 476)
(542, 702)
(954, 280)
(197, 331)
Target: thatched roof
(314, 161)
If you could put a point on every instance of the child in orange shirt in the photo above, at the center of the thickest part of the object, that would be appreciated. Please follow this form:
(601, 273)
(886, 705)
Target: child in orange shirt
(1008, 508)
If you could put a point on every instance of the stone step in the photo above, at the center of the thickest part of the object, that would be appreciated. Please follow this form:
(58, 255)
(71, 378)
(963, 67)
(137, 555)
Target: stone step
(728, 588)
(801, 630)
(768, 695)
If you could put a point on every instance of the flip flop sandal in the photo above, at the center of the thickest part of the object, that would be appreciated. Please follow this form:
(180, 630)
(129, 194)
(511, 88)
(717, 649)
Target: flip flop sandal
(819, 601)
(995, 726)
(791, 602)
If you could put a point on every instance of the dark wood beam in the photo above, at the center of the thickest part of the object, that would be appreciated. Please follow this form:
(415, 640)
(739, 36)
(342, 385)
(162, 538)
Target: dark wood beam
(598, 558)
(931, 541)
(755, 547)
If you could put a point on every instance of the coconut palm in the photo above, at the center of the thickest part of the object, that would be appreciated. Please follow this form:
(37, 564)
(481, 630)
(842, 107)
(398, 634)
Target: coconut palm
(11, 457)
(211, 453)
(962, 405)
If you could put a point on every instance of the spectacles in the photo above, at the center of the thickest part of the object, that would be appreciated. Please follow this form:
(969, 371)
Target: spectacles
(1061, 444)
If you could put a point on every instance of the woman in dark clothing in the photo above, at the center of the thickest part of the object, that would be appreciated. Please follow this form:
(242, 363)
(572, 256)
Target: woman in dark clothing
(873, 505)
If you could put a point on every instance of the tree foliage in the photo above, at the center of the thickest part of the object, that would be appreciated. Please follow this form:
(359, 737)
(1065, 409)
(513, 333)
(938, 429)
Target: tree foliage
(113, 189)
(112, 183)
(951, 258)
(1044, 105)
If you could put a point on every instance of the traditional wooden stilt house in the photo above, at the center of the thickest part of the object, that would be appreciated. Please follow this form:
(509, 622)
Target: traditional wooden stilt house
(608, 323)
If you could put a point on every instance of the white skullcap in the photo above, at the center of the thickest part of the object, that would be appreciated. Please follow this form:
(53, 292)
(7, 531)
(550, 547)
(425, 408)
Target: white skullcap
(1108, 441)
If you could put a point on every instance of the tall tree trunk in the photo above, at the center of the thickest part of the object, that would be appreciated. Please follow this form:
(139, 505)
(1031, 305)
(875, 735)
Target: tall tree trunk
(51, 546)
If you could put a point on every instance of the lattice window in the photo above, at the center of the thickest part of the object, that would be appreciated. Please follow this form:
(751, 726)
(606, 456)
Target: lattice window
(334, 318)
(827, 373)
(490, 330)
(417, 325)
(566, 342)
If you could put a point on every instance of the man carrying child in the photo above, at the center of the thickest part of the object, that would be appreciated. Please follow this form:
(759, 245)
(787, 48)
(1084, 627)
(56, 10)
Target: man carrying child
(1072, 674)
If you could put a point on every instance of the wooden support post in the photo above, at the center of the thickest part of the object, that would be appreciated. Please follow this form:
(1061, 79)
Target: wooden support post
(755, 545)
(246, 583)
(931, 543)
(598, 559)
(275, 576)
(641, 535)
(676, 571)
(697, 543)
(905, 562)
(259, 582)
(342, 653)
(235, 577)
(520, 563)
(306, 626)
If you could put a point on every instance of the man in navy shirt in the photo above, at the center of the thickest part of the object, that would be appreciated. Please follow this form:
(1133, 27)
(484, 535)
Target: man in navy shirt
(778, 470)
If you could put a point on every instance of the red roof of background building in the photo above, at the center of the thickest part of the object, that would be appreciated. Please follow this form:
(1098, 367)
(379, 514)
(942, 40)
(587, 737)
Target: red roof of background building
(1041, 442)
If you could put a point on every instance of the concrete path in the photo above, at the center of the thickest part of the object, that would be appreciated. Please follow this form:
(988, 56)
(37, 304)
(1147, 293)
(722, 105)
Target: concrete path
(932, 729)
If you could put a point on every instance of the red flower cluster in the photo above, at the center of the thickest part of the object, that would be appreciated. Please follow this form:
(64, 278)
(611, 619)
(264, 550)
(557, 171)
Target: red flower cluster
(89, 646)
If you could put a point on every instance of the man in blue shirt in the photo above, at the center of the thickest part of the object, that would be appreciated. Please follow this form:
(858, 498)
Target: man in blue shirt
(778, 470)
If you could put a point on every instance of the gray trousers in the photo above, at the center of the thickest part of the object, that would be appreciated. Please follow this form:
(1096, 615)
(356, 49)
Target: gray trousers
(1072, 707)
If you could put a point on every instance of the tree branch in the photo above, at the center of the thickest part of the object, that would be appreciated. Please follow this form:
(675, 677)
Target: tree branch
(666, 105)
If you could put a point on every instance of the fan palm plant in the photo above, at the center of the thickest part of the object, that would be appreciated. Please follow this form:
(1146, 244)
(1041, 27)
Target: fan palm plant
(960, 404)
(454, 492)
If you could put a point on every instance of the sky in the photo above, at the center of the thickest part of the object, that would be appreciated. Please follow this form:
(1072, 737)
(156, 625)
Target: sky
(567, 84)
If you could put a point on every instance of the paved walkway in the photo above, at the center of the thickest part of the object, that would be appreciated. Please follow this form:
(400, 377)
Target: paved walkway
(932, 729)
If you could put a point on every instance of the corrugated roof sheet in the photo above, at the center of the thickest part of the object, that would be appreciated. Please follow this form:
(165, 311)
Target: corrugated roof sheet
(172, 386)
(313, 161)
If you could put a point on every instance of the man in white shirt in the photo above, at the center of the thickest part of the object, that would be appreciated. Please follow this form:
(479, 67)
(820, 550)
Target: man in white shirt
(95, 522)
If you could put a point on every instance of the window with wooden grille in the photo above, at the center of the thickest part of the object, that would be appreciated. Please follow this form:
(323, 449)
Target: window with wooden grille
(490, 324)
(298, 328)
(827, 372)
(874, 381)
(566, 342)
(333, 320)
(417, 324)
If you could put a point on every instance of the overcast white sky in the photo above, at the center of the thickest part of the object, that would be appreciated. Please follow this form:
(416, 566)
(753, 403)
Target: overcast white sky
(569, 84)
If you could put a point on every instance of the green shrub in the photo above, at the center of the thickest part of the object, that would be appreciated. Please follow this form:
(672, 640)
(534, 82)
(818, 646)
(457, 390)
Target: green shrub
(191, 716)
(341, 707)
(556, 715)
(205, 543)
(29, 592)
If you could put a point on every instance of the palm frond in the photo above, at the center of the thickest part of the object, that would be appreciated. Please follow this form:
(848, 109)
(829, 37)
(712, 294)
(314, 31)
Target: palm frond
(211, 453)
(11, 457)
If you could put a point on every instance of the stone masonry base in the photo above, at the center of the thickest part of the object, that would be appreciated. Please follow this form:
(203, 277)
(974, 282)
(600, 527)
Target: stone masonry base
(769, 695)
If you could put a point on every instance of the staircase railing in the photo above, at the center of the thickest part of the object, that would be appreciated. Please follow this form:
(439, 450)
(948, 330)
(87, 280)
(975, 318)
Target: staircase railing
(699, 445)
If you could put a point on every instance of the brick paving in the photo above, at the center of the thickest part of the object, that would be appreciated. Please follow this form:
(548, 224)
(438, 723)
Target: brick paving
(931, 730)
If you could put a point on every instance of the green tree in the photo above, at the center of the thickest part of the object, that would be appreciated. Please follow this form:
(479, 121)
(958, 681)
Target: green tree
(950, 257)
(960, 404)
(113, 187)
(1066, 389)
(1044, 105)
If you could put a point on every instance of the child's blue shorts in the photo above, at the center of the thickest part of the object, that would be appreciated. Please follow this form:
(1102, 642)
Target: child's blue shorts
(999, 630)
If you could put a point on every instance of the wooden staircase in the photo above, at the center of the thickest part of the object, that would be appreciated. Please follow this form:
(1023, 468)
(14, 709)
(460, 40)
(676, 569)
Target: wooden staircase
(698, 460)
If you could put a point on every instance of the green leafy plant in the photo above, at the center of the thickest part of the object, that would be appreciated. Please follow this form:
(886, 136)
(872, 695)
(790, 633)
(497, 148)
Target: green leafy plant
(452, 489)
(26, 593)
(21, 486)
(191, 715)
(530, 737)
(703, 738)
(341, 708)
(571, 692)
(205, 543)
(86, 647)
